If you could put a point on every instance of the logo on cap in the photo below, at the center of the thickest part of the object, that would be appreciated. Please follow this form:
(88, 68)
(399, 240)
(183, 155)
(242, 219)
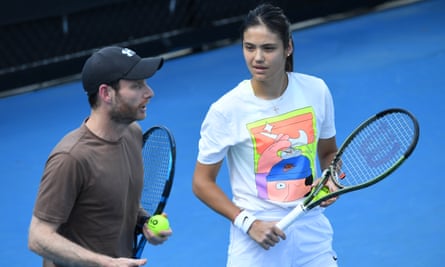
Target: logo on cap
(128, 52)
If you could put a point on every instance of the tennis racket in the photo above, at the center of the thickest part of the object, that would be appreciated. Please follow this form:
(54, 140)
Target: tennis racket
(159, 156)
(375, 149)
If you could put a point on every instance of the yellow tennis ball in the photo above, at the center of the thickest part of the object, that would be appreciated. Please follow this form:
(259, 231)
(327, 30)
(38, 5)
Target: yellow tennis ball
(158, 223)
(323, 192)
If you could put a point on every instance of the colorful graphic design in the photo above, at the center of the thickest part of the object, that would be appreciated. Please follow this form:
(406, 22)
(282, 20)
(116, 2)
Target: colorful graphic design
(284, 150)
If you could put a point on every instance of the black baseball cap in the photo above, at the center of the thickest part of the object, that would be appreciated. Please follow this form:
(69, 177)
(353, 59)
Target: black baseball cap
(113, 63)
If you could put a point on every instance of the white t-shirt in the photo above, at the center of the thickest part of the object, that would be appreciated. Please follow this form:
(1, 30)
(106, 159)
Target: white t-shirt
(270, 145)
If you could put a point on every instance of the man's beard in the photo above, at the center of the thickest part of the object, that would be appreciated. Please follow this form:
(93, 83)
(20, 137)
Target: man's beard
(123, 113)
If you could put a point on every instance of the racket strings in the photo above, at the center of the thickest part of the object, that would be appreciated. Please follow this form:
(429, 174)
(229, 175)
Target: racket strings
(156, 155)
(376, 148)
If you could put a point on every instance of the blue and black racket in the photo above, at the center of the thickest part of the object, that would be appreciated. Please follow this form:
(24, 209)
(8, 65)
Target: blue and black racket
(159, 156)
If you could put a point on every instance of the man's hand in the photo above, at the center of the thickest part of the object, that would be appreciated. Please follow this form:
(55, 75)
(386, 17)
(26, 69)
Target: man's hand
(156, 239)
(126, 262)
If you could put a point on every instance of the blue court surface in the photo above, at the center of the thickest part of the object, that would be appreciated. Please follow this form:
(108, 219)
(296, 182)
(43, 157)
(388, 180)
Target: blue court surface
(389, 58)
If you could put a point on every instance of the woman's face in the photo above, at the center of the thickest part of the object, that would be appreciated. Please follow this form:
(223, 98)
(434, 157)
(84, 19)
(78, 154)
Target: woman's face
(264, 53)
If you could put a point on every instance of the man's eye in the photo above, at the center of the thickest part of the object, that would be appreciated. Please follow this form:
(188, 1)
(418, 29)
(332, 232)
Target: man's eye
(138, 85)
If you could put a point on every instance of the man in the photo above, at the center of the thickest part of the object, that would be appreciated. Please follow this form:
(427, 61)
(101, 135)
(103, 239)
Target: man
(88, 202)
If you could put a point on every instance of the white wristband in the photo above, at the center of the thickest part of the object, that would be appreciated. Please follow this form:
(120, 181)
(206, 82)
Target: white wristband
(244, 220)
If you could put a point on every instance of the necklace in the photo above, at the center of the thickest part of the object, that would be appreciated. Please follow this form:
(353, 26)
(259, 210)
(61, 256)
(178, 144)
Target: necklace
(276, 102)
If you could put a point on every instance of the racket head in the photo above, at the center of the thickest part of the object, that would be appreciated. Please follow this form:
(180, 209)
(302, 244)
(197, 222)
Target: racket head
(375, 149)
(158, 156)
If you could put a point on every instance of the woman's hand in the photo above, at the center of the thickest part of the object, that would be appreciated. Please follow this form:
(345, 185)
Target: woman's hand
(332, 188)
(266, 234)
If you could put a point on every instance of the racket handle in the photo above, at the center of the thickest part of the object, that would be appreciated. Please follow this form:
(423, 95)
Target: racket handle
(291, 216)
(140, 247)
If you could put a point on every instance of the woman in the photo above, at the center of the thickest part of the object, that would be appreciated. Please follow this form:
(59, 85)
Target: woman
(270, 129)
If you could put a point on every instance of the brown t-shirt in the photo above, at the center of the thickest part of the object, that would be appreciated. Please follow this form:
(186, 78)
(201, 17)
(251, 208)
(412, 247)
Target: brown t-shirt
(92, 187)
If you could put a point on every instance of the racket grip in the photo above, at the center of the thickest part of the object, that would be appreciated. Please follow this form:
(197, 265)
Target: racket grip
(290, 217)
(140, 248)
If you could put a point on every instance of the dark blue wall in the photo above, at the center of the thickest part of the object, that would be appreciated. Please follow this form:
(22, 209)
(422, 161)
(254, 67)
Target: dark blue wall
(50, 39)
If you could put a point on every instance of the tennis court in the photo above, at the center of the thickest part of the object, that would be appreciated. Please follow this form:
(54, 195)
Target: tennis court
(390, 58)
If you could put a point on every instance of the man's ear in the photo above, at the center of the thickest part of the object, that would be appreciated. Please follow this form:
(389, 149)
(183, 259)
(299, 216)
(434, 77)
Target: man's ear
(105, 92)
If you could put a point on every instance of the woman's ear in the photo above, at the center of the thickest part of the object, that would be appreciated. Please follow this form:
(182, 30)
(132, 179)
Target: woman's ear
(290, 47)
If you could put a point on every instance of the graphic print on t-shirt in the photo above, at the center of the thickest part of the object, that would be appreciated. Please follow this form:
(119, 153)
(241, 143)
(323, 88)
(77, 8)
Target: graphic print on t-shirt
(284, 150)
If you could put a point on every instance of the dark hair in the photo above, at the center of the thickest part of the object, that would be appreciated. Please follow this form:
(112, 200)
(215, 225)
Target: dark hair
(92, 98)
(276, 21)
